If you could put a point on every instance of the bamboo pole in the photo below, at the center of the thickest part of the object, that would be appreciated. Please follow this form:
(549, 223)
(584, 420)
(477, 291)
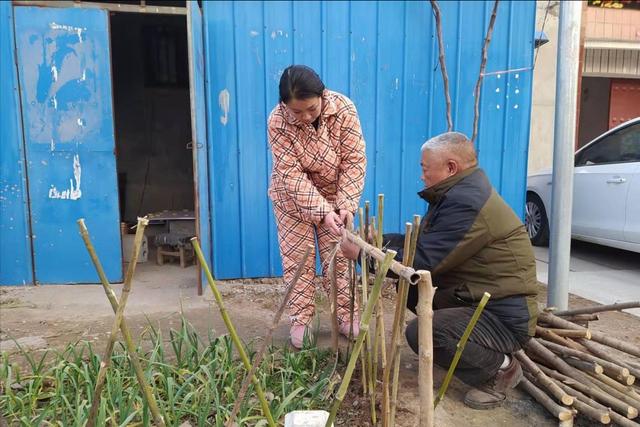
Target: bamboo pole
(260, 355)
(424, 309)
(334, 300)
(584, 366)
(460, 347)
(586, 386)
(549, 335)
(115, 327)
(614, 368)
(407, 273)
(126, 333)
(364, 272)
(572, 333)
(403, 304)
(266, 412)
(622, 388)
(623, 346)
(395, 332)
(614, 416)
(542, 378)
(379, 344)
(581, 318)
(598, 309)
(364, 329)
(560, 412)
(588, 406)
(623, 396)
(604, 353)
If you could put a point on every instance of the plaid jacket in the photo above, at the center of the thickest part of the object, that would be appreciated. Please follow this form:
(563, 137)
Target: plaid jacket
(316, 172)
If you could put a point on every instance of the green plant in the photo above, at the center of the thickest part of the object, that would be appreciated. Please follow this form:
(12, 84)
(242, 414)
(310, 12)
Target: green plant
(193, 379)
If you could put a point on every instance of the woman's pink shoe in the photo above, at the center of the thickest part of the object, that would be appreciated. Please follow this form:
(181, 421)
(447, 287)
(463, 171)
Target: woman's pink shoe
(297, 333)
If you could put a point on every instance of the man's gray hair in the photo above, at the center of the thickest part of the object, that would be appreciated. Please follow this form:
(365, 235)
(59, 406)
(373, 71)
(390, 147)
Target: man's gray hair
(455, 143)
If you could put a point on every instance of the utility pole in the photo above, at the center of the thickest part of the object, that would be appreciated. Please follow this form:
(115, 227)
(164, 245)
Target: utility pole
(563, 153)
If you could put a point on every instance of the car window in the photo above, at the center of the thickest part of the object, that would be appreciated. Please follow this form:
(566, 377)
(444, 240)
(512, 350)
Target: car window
(620, 147)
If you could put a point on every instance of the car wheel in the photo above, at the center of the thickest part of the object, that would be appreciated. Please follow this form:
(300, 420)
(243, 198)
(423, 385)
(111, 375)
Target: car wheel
(535, 221)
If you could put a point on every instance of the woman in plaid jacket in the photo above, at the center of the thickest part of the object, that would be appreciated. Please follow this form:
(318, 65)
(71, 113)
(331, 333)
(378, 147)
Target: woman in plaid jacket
(318, 174)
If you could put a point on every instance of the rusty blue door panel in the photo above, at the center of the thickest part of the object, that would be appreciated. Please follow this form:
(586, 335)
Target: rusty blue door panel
(15, 242)
(65, 77)
(199, 128)
(384, 56)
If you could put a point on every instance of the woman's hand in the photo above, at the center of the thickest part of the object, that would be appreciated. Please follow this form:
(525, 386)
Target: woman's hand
(349, 249)
(333, 222)
(346, 217)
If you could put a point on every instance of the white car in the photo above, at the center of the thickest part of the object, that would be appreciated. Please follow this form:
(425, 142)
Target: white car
(606, 192)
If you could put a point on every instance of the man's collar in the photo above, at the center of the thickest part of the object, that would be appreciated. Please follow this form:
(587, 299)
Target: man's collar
(435, 192)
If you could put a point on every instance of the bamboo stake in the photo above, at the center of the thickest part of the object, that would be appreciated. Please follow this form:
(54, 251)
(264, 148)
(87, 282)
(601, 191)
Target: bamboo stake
(257, 361)
(581, 318)
(379, 344)
(549, 335)
(115, 327)
(334, 300)
(584, 366)
(616, 369)
(598, 309)
(572, 333)
(364, 329)
(443, 64)
(587, 406)
(403, 304)
(595, 335)
(395, 334)
(605, 354)
(622, 388)
(560, 412)
(483, 64)
(425, 344)
(586, 386)
(367, 381)
(126, 333)
(460, 347)
(543, 379)
(623, 396)
(614, 416)
(266, 412)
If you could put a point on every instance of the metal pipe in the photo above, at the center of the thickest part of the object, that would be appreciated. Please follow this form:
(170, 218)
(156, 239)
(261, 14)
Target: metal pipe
(408, 273)
(563, 154)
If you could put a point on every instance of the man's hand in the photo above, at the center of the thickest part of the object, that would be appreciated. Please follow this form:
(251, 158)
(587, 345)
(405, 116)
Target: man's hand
(349, 249)
(333, 222)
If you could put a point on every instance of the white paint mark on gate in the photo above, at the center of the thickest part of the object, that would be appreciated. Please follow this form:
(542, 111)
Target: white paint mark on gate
(73, 192)
(223, 101)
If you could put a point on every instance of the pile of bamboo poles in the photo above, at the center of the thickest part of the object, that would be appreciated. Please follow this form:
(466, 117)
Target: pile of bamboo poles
(573, 370)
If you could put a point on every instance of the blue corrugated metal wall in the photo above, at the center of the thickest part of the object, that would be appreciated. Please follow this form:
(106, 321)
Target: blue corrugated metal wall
(384, 56)
(15, 247)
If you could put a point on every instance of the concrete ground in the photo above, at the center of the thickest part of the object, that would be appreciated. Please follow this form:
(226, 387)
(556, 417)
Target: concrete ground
(599, 273)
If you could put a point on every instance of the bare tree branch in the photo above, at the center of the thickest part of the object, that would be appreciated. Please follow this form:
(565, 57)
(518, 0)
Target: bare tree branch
(443, 65)
(483, 64)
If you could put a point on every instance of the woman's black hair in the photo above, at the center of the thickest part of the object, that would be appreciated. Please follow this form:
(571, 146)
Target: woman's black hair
(299, 82)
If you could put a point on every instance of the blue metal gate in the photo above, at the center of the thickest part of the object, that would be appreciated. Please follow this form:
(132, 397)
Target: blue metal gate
(65, 79)
(384, 56)
(15, 236)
